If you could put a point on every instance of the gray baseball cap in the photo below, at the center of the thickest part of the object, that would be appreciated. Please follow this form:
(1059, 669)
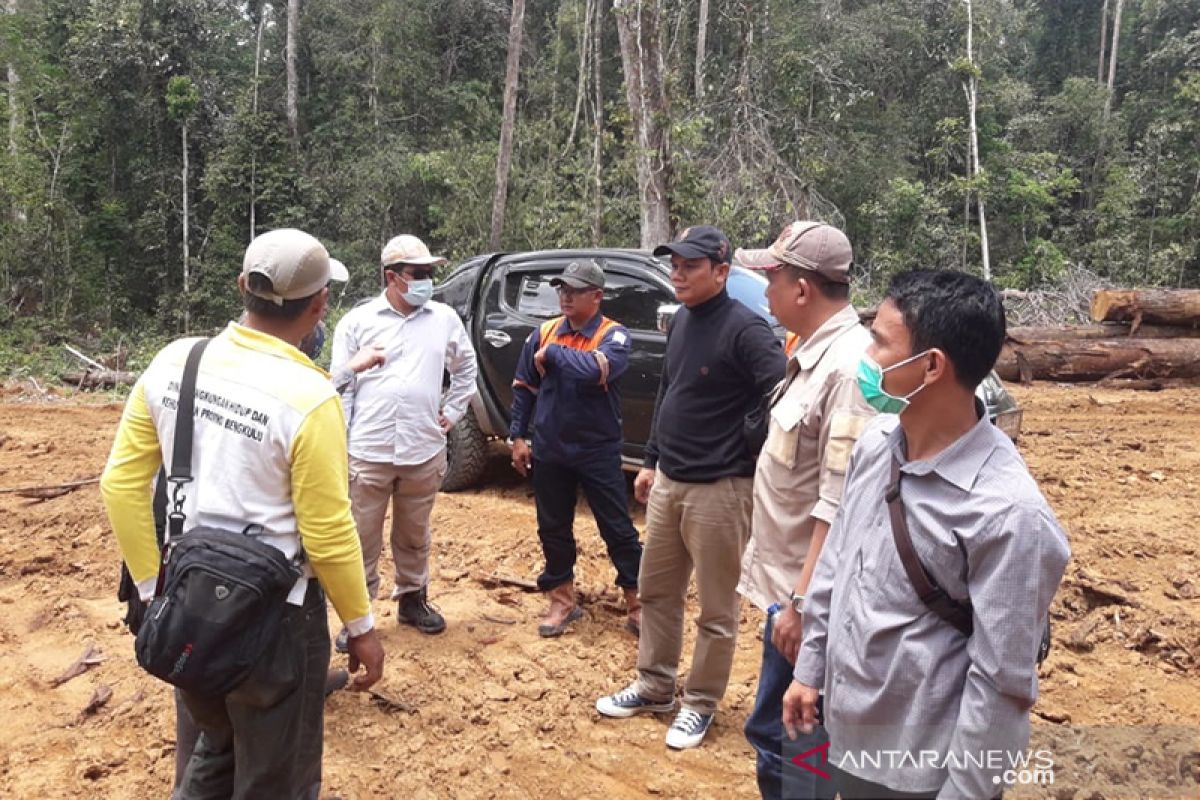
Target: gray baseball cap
(581, 275)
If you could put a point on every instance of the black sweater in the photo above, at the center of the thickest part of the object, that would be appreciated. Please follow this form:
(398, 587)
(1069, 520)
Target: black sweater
(722, 359)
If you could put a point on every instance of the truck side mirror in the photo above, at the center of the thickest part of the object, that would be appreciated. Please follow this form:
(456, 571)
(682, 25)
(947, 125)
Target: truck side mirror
(666, 313)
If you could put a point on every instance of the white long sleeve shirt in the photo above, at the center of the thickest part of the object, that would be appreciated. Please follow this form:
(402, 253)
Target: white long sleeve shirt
(392, 410)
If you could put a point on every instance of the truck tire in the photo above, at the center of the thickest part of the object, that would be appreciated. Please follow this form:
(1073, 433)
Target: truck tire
(466, 454)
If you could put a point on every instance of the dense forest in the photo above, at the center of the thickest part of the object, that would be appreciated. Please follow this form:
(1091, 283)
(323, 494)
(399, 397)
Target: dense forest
(148, 140)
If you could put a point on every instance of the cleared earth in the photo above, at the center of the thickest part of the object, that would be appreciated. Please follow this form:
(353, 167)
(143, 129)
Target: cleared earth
(491, 710)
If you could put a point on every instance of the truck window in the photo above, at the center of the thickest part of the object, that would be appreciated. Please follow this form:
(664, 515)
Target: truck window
(633, 302)
(530, 293)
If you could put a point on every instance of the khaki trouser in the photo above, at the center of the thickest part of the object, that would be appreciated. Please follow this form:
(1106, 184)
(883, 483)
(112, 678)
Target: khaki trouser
(706, 525)
(412, 490)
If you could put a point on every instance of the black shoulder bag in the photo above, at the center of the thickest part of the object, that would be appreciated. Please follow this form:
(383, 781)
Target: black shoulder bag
(220, 595)
(957, 614)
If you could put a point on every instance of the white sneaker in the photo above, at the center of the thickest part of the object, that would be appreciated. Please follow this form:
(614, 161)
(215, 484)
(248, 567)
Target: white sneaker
(688, 729)
(627, 703)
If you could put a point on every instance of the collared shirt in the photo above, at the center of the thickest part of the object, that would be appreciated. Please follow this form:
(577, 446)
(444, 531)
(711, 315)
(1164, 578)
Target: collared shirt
(575, 407)
(393, 409)
(816, 417)
(269, 449)
(898, 678)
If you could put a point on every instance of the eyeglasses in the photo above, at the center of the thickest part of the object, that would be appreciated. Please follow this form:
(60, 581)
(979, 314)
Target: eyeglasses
(411, 274)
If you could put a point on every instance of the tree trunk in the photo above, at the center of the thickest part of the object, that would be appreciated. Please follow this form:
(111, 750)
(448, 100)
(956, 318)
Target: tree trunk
(972, 101)
(585, 45)
(14, 108)
(1180, 307)
(187, 299)
(701, 46)
(1112, 59)
(504, 158)
(1099, 359)
(598, 128)
(638, 28)
(1103, 39)
(1107, 330)
(293, 80)
(262, 19)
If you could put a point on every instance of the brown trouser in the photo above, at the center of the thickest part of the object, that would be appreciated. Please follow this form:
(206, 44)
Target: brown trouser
(411, 490)
(705, 525)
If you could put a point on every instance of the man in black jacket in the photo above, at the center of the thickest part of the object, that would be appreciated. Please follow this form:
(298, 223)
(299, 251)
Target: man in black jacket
(722, 360)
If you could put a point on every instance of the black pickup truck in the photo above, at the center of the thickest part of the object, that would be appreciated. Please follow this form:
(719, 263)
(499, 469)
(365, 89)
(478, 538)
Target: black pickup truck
(502, 297)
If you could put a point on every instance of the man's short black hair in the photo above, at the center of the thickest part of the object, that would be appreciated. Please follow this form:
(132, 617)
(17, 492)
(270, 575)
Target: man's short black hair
(957, 313)
(290, 310)
(830, 290)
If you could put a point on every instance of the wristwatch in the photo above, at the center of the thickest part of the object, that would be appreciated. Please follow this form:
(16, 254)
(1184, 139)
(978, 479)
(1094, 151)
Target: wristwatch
(797, 601)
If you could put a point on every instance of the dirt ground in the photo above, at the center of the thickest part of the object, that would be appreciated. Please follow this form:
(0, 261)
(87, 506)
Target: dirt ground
(494, 711)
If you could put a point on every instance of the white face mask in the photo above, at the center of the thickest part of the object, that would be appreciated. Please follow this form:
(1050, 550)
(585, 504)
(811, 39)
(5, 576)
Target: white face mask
(419, 292)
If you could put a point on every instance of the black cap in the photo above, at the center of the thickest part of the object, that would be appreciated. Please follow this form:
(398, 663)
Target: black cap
(581, 275)
(699, 241)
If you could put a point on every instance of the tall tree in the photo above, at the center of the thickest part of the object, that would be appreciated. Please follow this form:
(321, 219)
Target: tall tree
(516, 27)
(14, 108)
(182, 100)
(971, 89)
(258, 37)
(701, 47)
(597, 127)
(1112, 59)
(293, 78)
(639, 29)
(1103, 40)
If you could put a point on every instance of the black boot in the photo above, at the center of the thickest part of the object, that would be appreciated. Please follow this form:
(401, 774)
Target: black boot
(415, 610)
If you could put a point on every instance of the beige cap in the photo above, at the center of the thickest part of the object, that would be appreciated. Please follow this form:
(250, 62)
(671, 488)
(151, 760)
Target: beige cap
(295, 262)
(407, 249)
(755, 259)
(338, 271)
(815, 246)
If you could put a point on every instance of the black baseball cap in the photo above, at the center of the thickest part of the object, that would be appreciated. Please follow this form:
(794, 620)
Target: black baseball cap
(699, 241)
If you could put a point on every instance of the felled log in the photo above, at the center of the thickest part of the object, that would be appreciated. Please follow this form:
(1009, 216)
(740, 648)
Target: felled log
(1099, 359)
(1027, 334)
(1137, 306)
(100, 378)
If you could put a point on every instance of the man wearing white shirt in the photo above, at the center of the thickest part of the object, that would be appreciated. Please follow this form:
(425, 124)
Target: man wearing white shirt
(398, 417)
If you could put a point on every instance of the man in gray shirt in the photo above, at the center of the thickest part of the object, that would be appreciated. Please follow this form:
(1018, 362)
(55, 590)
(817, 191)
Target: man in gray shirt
(916, 708)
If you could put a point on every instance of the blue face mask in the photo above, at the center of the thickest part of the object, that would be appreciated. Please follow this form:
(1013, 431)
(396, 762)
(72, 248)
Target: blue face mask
(870, 383)
(419, 292)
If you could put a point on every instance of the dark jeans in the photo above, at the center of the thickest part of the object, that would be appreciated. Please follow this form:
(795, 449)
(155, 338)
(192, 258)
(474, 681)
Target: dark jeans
(555, 487)
(186, 734)
(764, 731)
(264, 738)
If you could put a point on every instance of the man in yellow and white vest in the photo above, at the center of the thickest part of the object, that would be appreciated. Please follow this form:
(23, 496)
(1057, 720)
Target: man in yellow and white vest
(269, 451)
(566, 392)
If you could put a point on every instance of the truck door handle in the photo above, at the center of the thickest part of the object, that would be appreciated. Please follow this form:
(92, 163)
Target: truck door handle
(497, 338)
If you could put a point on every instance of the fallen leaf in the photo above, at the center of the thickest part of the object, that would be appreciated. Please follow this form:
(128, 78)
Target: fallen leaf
(90, 657)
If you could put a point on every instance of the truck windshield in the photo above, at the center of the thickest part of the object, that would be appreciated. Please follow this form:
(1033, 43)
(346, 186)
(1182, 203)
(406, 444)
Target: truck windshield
(749, 288)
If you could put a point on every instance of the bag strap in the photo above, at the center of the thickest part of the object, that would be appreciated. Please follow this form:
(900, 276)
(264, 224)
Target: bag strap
(181, 456)
(930, 593)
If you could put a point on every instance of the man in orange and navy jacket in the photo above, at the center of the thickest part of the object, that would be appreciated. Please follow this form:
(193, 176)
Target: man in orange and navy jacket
(567, 386)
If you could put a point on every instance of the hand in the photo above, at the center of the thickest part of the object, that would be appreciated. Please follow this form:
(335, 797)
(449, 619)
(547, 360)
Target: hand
(366, 650)
(364, 359)
(539, 359)
(522, 456)
(799, 709)
(642, 484)
(444, 423)
(787, 633)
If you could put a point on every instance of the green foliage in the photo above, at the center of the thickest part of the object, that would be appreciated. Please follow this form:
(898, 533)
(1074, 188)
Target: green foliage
(849, 112)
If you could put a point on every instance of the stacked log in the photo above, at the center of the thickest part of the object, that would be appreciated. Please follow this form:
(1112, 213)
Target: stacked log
(1150, 334)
